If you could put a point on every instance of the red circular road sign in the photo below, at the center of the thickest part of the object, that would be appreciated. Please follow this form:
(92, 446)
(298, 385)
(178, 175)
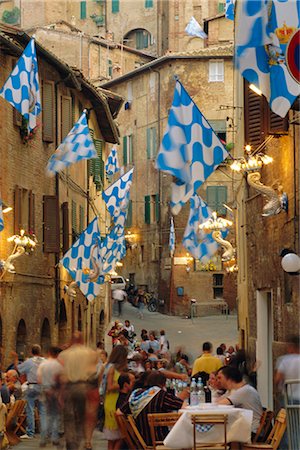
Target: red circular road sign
(293, 56)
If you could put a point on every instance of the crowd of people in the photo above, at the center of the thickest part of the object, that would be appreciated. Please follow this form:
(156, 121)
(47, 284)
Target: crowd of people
(78, 389)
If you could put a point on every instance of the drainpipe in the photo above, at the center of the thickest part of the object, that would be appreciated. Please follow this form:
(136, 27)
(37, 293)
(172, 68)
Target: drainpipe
(57, 271)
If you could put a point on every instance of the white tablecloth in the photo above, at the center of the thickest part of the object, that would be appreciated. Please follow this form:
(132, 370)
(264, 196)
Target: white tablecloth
(238, 427)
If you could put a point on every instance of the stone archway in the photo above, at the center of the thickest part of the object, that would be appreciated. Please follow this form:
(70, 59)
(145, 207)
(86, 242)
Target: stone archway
(21, 339)
(45, 336)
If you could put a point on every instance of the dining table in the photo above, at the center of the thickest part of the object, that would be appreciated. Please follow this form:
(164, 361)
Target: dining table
(239, 423)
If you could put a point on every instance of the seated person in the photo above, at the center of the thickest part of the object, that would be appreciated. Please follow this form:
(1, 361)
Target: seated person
(13, 384)
(125, 382)
(182, 366)
(244, 396)
(148, 365)
(152, 356)
(153, 398)
(153, 343)
(214, 386)
(145, 344)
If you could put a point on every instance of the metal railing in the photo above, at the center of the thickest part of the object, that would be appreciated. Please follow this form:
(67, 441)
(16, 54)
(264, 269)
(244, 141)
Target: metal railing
(292, 406)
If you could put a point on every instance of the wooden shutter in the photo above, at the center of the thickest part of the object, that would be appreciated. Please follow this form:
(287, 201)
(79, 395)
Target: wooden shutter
(221, 199)
(148, 143)
(31, 212)
(277, 124)
(154, 142)
(66, 116)
(115, 6)
(91, 164)
(83, 10)
(81, 218)
(125, 150)
(74, 216)
(17, 116)
(99, 165)
(17, 209)
(65, 227)
(157, 208)
(255, 117)
(149, 4)
(130, 138)
(48, 111)
(129, 215)
(147, 209)
(51, 224)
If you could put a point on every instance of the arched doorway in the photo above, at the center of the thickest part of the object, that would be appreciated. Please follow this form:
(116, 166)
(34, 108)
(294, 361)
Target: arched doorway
(79, 320)
(45, 336)
(63, 323)
(21, 339)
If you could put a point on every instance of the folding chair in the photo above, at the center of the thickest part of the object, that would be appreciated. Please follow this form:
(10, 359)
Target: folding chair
(127, 432)
(265, 426)
(142, 444)
(161, 420)
(275, 436)
(207, 420)
(15, 420)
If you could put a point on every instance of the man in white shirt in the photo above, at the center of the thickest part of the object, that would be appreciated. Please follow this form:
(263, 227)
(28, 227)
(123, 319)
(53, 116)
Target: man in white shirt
(119, 296)
(288, 368)
(163, 342)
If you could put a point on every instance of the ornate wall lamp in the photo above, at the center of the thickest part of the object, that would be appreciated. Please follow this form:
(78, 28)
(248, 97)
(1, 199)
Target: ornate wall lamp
(24, 244)
(251, 164)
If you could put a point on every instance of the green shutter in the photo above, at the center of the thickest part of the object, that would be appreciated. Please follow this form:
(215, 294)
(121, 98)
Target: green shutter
(145, 40)
(148, 143)
(221, 199)
(221, 7)
(147, 209)
(157, 208)
(83, 10)
(115, 6)
(110, 68)
(130, 149)
(74, 216)
(154, 144)
(211, 197)
(125, 150)
(129, 215)
(91, 164)
(81, 218)
(139, 40)
(98, 165)
(149, 4)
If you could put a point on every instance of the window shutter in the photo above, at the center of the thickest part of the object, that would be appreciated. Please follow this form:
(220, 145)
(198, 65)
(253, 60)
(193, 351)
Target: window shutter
(145, 39)
(99, 165)
(211, 197)
(31, 212)
(139, 39)
(81, 218)
(154, 142)
(130, 138)
(129, 215)
(48, 111)
(255, 126)
(83, 10)
(124, 150)
(157, 208)
(110, 68)
(277, 124)
(65, 227)
(149, 4)
(74, 217)
(221, 7)
(91, 162)
(115, 6)
(221, 199)
(147, 209)
(17, 209)
(51, 224)
(148, 143)
(66, 116)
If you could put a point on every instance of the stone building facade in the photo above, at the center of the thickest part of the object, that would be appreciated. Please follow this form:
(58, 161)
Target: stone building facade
(147, 263)
(268, 297)
(34, 307)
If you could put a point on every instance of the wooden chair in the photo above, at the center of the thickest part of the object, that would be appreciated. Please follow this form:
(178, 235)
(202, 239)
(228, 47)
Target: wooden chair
(161, 420)
(213, 419)
(14, 421)
(265, 425)
(141, 443)
(275, 436)
(127, 432)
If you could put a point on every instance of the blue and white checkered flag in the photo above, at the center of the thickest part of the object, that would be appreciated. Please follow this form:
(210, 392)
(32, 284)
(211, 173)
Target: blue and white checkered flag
(112, 163)
(194, 29)
(76, 146)
(172, 238)
(200, 244)
(229, 9)
(21, 89)
(116, 196)
(81, 260)
(267, 49)
(190, 149)
(1, 216)
(113, 249)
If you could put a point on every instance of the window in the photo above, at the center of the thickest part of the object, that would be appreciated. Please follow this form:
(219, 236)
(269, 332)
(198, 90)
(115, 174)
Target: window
(109, 68)
(65, 227)
(48, 111)
(98, 165)
(127, 149)
(115, 6)
(216, 70)
(66, 116)
(221, 7)
(219, 127)
(216, 196)
(74, 221)
(24, 210)
(148, 3)
(152, 209)
(151, 142)
(142, 39)
(83, 10)
(81, 218)
(129, 215)
(218, 285)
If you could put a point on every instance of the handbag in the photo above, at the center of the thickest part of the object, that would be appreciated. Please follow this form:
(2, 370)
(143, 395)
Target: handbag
(101, 415)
